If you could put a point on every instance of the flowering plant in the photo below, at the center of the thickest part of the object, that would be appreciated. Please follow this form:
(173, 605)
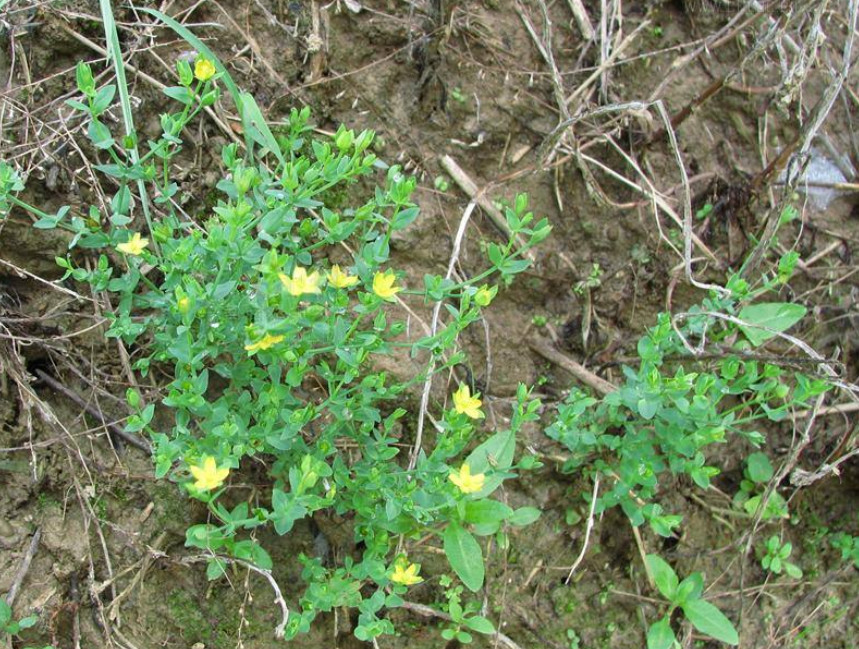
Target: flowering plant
(270, 314)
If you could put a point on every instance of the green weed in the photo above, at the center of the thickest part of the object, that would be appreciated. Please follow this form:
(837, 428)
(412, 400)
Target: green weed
(252, 299)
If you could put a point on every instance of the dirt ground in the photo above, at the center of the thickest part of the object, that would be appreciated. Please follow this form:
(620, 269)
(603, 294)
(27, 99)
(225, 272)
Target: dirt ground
(487, 83)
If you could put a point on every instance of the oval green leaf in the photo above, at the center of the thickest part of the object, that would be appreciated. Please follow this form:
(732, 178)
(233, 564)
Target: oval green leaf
(774, 317)
(708, 619)
(664, 576)
(660, 635)
(464, 555)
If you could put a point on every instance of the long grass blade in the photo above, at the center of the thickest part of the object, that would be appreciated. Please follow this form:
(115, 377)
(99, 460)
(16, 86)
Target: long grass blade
(114, 53)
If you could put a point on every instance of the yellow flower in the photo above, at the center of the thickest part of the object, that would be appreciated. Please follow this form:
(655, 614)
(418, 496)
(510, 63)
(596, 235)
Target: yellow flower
(383, 285)
(484, 295)
(467, 483)
(338, 279)
(134, 246)
(204, 69)
(263, 343)
(183, 304)
(406, 573)
(300, 282)
(465, 404)
(208, 475)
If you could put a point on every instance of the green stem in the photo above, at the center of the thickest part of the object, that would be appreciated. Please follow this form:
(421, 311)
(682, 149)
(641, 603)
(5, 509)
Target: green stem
(115, 54)
(37, 212)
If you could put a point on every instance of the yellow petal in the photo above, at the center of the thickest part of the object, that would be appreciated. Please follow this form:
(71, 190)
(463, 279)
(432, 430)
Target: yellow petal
(204, 69)
(383, 285)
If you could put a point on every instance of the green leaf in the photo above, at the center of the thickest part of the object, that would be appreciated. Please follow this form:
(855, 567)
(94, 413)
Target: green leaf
(775, 507)
(5, 613)
(660, 635)
(690, 588)
(464, 555)
(480, 624)
(255, 126)
(86, 83)
(73, 103)
(46, 223)
(261, 558)
(663, 575)
(774, 316)
(205, 536)
(27, 622)
(495, 453)
(286, 510)
(759, 467)
(103, 99)
(464, 637)
(215, 568)
(708, 619)
(524, 516)
(180, 94)
(793, 570)
(486, 512)
(404, 218)
(100, 135)
(647, 409)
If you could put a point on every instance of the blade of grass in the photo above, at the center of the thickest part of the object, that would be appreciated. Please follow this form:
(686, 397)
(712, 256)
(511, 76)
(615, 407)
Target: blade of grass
(114, 53)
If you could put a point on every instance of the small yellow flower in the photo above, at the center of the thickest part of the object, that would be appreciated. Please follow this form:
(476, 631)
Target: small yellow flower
(204, 69)
(406, 573)
(208, 475)
(265, 342)
(134, 246)
(484, 295)
(338, 279)
(465, 404)
(383, 285)
(183, 304)
(467, 483)
(300, 282)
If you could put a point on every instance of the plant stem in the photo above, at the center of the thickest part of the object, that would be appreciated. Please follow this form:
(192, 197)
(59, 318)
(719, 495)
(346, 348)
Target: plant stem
(115, 54)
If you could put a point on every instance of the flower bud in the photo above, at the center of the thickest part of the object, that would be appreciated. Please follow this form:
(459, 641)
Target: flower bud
(344, 139)
(186, 76)
(485, 295)
(86, 83)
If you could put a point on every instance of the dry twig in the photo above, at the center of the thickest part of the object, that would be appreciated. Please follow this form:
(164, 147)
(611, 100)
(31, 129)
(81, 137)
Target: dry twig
(24, 567)
(454, 258)
(578, 370)
(467, 185)
(428, 611)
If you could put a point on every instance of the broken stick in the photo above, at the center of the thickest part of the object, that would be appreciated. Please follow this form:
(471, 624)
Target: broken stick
(578, 370)
(467, 185)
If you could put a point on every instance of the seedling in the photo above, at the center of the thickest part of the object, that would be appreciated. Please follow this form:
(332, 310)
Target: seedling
(11, 626)
(849, 546)
(756, 475)
(685, 595)
(593, 280)
(775, 558)
(464, 619)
